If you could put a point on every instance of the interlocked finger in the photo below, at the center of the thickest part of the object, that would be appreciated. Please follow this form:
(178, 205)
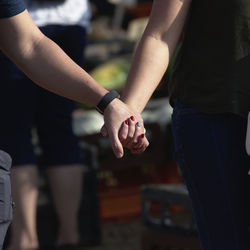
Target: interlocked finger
(123, 133)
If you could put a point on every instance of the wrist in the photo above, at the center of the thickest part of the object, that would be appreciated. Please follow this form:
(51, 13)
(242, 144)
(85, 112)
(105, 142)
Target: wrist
(131, 103)
(106, 101)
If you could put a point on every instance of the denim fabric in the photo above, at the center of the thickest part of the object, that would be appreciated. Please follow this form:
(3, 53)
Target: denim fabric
(210, 150)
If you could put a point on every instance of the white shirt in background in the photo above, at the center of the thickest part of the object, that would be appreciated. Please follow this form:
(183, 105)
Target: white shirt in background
(69, 12)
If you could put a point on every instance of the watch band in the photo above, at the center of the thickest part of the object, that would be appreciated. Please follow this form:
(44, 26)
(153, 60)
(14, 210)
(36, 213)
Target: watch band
(106, 100)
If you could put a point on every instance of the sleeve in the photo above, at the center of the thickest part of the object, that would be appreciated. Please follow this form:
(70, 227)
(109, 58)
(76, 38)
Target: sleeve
(10, 8)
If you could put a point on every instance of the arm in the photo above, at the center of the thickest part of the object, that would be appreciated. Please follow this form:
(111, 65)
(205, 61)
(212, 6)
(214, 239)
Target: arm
(154, 51)
(44, 62)
(47, 65)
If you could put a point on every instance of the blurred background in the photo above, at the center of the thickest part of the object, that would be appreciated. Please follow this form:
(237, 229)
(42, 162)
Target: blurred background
(140, 201)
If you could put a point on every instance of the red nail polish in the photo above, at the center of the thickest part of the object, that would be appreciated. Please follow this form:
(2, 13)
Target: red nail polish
(132, 118)
(126, 122)
(142, 136)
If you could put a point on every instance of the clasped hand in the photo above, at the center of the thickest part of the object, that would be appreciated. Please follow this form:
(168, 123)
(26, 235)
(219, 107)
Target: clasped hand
(125, 128)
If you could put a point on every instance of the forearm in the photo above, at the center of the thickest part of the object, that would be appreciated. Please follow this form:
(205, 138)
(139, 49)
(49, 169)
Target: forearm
(48, 66)
(146, 71)
(44, 62)
(154, 51)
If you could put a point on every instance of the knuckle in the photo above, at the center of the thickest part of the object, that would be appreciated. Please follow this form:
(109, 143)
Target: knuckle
(130, 136)
(122, 137)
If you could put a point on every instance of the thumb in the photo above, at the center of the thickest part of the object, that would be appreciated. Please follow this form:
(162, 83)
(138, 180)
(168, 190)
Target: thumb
(116, 145)
(104, 131)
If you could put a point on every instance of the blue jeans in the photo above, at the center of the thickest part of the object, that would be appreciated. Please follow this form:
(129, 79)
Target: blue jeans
(210, 150)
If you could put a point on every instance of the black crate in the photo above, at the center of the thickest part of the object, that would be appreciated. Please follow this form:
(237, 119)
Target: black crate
(162, 232)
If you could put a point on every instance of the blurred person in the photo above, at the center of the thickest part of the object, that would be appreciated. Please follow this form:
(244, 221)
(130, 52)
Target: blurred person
(65, 22)
(210, 94)
(48, 66)
(51, 115)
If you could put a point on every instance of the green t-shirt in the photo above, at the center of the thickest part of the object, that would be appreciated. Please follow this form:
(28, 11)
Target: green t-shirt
(212, 69)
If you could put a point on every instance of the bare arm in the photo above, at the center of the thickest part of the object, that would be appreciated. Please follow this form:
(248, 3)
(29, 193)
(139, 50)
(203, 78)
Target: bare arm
(47, 65)
(44, 62)
(154, 51)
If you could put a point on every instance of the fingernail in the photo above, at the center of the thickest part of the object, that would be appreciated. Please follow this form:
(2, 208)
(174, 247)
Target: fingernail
(142, 136)
(126, 122)
(138, 124)
(132, 118)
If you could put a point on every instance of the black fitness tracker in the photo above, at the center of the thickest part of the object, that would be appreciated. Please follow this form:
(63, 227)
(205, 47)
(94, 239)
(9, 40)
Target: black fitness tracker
(106, 100)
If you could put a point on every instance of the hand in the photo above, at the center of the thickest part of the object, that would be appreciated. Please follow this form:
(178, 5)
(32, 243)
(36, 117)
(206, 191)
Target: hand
(114, 116)
(132, 136)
